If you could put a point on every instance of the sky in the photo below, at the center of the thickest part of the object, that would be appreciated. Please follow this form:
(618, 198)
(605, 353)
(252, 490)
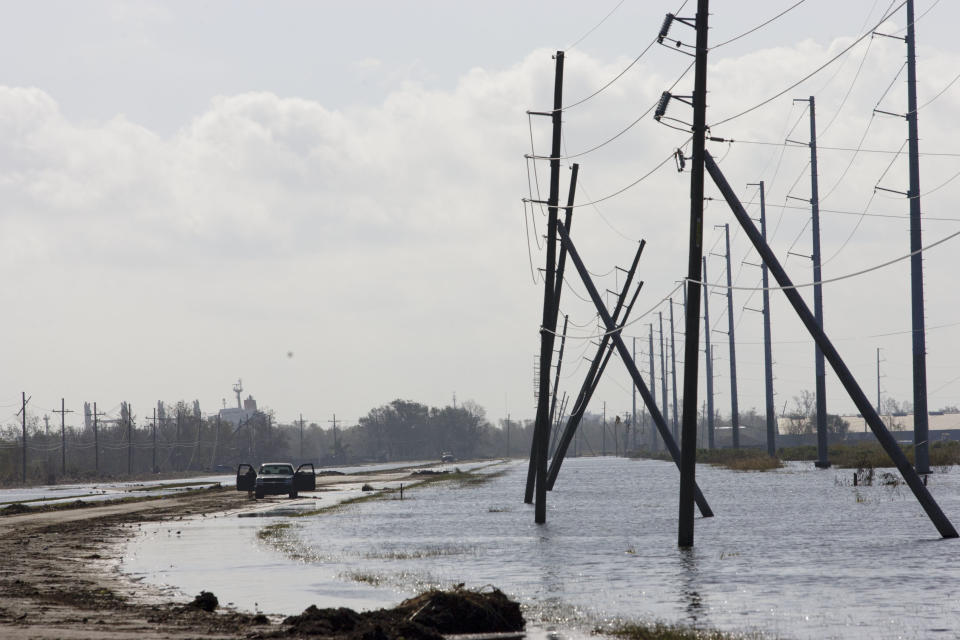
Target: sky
(324, 199)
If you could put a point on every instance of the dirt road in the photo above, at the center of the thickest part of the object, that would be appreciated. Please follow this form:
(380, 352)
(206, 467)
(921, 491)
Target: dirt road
(57, 581)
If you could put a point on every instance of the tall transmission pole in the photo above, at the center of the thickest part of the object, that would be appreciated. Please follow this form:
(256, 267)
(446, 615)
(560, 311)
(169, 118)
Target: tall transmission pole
(711, 441)
(821, 380)
(673, 374)
(633, 388)
(688, 444)
(653, 389)
(920, 414)
(541, 434)
(734, 409)
(767, 345)
(663, 374)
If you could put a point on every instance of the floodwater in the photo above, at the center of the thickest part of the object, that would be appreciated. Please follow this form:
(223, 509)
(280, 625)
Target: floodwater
(793, 553)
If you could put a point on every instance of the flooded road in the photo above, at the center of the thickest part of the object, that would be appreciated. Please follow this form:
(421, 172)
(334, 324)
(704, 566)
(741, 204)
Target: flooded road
(794, 553)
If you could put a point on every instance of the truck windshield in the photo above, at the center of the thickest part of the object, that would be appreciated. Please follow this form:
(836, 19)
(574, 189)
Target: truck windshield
(276, 469)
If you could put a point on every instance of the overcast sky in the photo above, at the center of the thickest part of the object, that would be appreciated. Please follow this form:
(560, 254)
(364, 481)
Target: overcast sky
(324, 198)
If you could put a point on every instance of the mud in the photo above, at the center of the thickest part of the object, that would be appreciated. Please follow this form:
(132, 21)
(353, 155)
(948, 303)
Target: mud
(428, 616)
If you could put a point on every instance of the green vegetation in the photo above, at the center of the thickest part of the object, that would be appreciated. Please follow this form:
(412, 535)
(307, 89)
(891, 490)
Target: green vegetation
(865, 455)
(273, 531)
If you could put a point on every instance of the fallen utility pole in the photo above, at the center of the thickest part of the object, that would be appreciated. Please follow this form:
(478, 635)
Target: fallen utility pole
(859, 398)
(614, 332)
(711, 442)
(592, 379)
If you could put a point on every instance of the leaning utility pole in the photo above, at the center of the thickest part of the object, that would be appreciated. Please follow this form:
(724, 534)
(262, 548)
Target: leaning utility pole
(688, 444)
(734, 409)
(767, 348)
(673, 372)
(711, 442)
(821, 381)
(556, 379)
(920, 417)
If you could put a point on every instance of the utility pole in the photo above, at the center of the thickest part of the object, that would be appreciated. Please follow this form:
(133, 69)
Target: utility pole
(536, 491)
(734, 409)
(653, 390)
(673, 373)
(556, 379)
(129, 440)
(336, 450)
(663, 376)
(63, 411)
(767, 344)
(96, 441)
(688, 444)
(23, 419)
(508, 436)
(821, 381)
(920, 416)
(216, 442)
(154, 464)
(711, 442)
(604, 437)
(633, 415)
(879, 411)
(301, 437)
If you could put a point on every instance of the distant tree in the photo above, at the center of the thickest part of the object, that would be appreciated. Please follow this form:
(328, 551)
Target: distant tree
(803, 419)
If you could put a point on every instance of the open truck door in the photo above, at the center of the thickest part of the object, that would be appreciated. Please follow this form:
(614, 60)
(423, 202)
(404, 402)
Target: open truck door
(305, 479)
(246, 478)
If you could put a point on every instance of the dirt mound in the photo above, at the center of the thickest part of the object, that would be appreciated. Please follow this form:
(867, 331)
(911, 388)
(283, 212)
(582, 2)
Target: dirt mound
(464, 611)
(205, 600)
(425, 617)
(15, 508)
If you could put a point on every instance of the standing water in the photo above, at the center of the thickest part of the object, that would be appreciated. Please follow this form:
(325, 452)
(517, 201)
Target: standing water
(793, 553)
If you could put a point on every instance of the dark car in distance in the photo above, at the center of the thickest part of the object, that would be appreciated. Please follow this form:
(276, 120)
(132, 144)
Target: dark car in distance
(276, 478)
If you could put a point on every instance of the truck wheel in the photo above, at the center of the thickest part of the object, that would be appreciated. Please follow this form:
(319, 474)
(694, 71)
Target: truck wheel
(293, 494)
(259, 494)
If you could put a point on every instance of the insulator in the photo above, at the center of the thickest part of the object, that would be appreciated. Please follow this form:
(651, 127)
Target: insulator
(662, 106)
(665, 27)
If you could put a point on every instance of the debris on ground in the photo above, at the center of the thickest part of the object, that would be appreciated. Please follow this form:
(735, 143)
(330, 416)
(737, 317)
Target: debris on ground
(367, 487)
(205, 601)
(430, 472)
(426, 617)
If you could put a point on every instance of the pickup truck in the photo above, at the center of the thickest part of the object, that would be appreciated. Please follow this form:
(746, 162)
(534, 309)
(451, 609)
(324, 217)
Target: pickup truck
(276, 478)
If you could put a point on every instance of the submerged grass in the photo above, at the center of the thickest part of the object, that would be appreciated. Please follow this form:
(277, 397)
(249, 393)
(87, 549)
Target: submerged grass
(735, 459)
(863, 455)
(661, 631)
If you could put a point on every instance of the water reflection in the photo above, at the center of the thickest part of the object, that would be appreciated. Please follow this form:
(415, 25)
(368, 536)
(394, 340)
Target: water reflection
(690, 590)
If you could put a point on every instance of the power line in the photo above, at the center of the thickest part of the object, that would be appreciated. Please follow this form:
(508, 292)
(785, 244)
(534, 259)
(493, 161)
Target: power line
(809, 75)
(594, 27)
(759, 26)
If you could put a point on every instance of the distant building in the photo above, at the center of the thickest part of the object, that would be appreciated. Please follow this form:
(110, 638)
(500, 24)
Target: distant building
(242, 412)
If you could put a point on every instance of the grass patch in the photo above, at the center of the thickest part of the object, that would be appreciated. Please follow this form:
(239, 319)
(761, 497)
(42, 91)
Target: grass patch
(661, 631)
(273, 531)
(862, 455)
(735, 459)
